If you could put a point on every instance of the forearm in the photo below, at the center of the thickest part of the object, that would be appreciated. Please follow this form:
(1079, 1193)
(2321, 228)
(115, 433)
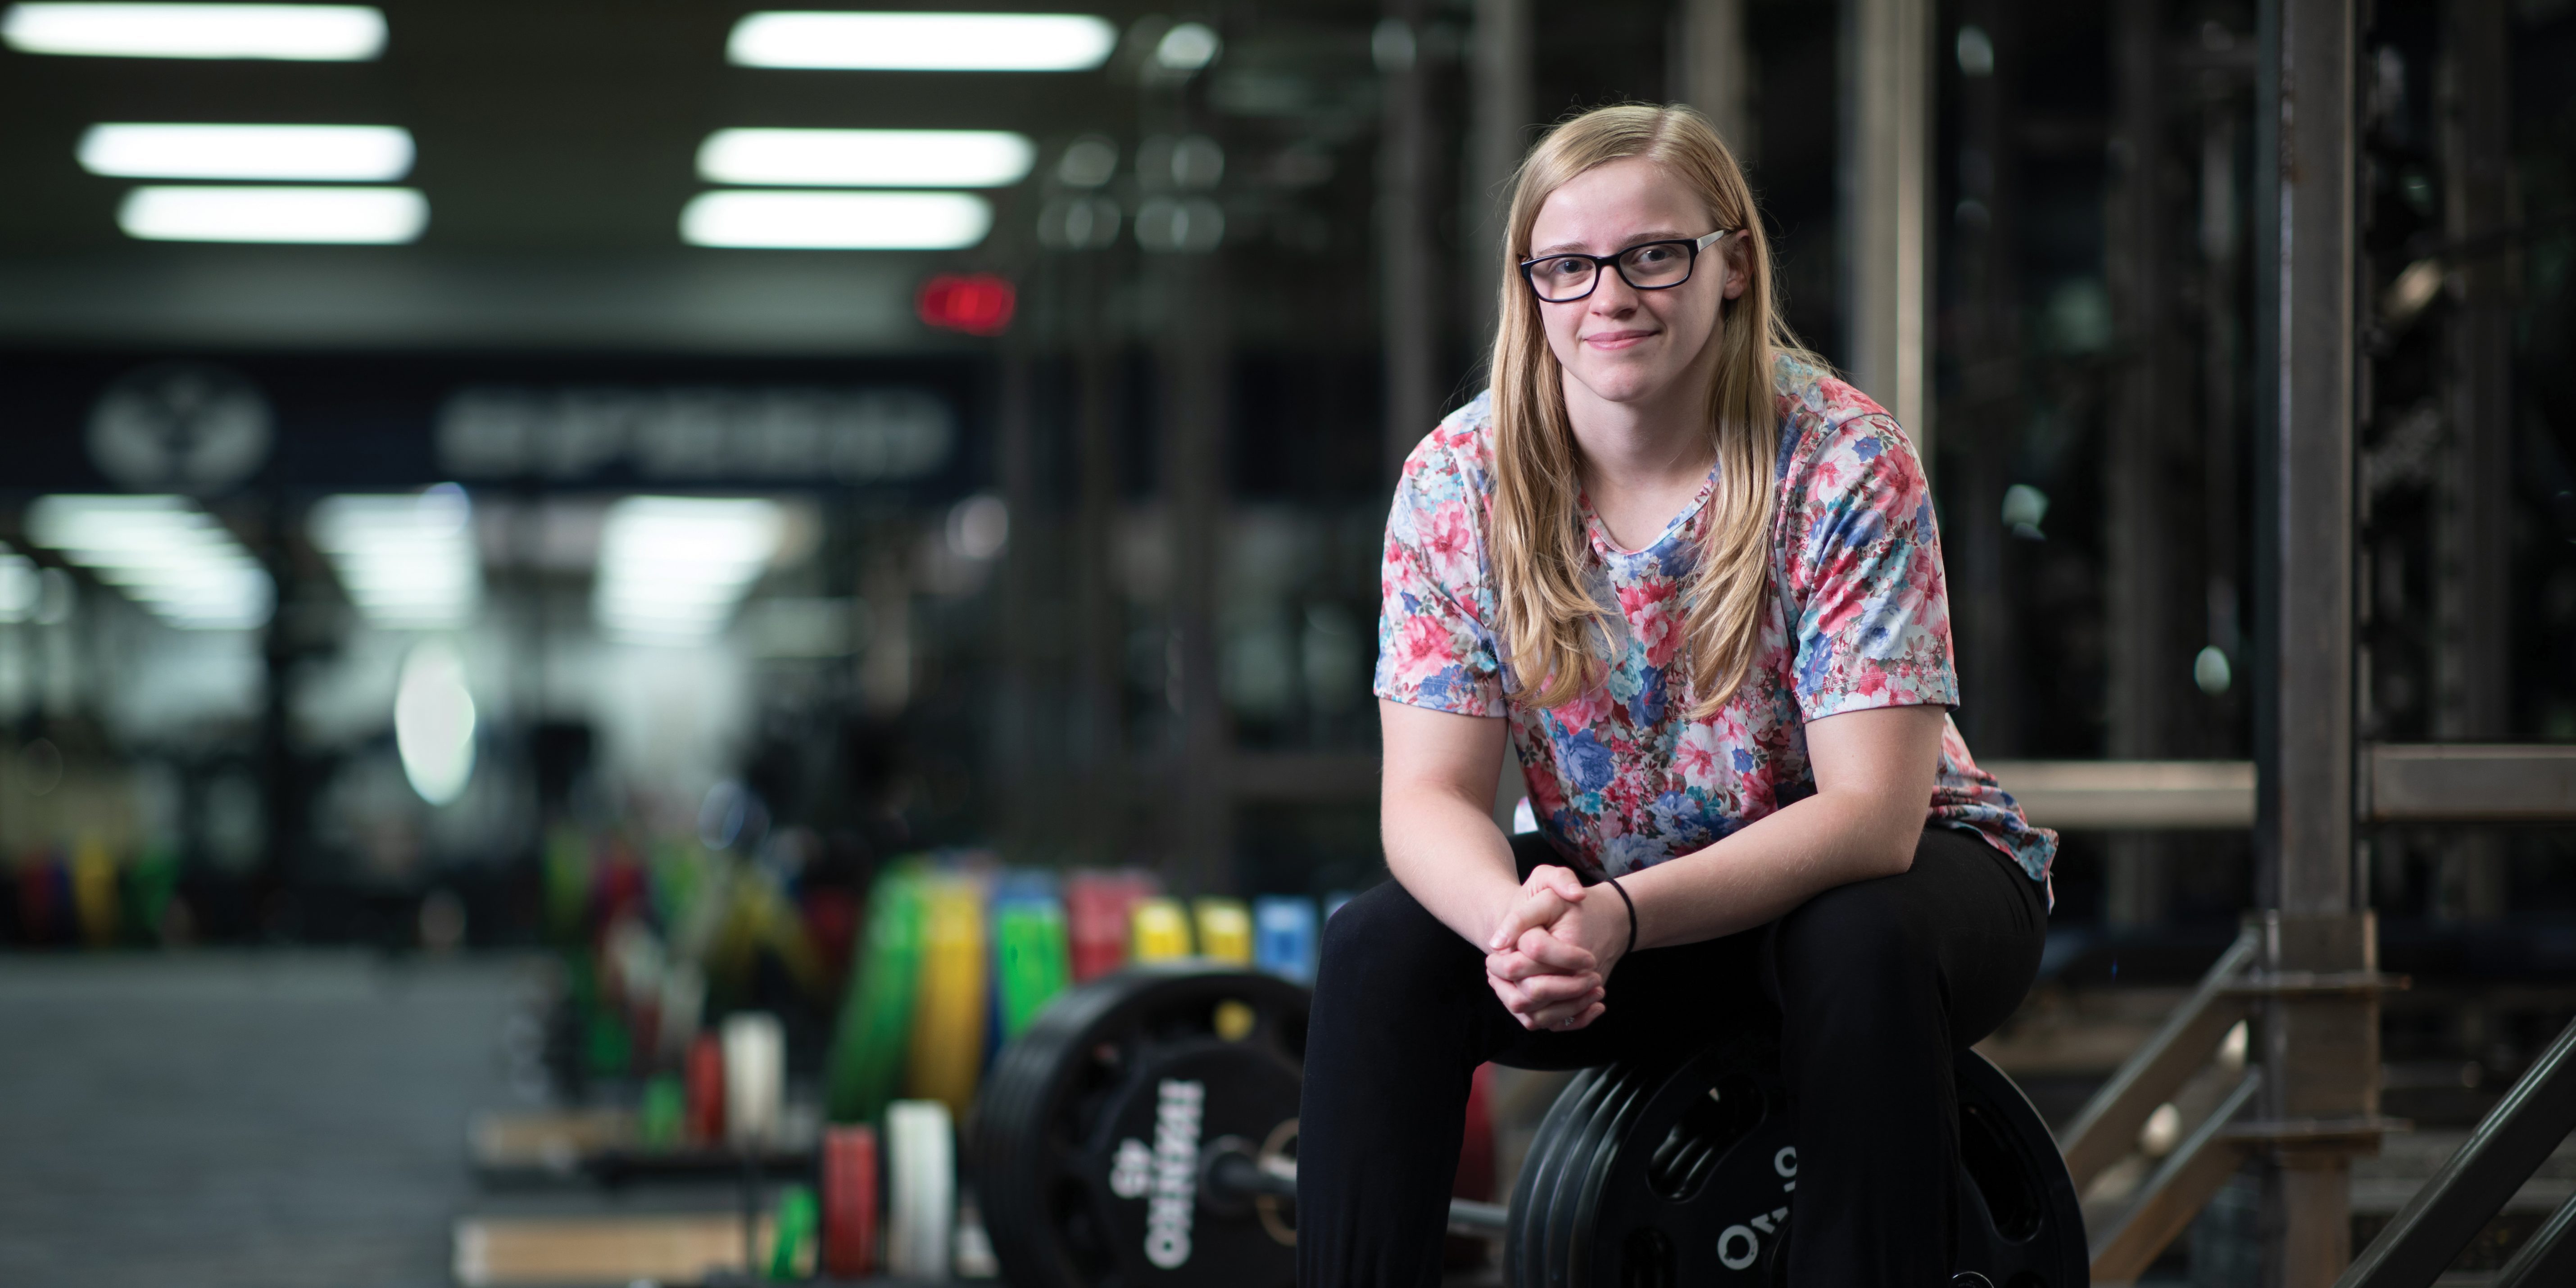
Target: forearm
(1770, 867)
(1449, 856)
(1874, 770)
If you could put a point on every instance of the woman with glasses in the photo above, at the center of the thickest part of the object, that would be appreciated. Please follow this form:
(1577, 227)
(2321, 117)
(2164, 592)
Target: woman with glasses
(1690, 579)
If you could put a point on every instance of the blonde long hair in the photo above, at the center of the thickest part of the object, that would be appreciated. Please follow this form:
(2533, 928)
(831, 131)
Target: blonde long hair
(1539, 543)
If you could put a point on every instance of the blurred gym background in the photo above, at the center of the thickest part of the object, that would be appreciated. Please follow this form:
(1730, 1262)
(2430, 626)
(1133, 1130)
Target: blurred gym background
(473, 475)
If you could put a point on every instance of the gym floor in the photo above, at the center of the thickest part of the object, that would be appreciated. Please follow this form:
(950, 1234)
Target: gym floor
(277, 1119)
(273, 1120)
(283, 1119)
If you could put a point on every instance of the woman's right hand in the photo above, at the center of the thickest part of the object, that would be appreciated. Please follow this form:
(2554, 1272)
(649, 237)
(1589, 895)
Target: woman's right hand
(1534, 960)
(1543, 990)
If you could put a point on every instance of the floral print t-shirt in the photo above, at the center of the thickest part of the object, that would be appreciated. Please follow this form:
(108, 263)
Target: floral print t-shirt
(1622, 777)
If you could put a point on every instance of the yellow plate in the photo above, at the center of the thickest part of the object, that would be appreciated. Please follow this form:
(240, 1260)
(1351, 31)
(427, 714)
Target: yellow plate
(948, 1024)
(1225, 931)
(1161, 931)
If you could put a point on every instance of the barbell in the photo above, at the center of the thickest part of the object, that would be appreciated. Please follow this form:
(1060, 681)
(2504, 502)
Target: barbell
(1142, 1134)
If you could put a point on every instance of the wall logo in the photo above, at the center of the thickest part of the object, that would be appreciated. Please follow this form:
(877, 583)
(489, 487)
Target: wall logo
(180, 427)
(780, 433)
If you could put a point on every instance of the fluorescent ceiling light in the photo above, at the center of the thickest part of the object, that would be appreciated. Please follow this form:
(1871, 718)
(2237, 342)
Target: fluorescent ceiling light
(354, 153)
(162, 551)
(408, 561)
(371, 216)
(924, 42)
(300, 32)
(1192, 45)
(20, 587)
(868, 158)
(434, 722)
(673, 569)
(836, 220)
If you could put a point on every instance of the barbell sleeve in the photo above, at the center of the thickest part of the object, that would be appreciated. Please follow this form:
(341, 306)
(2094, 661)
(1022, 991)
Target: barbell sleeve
(1240, 1173)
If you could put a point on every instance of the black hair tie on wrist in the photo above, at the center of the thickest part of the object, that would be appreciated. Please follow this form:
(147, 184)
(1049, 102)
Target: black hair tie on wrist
(1613, 883)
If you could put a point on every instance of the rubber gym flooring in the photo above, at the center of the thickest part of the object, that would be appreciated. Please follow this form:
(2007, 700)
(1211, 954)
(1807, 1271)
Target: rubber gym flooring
(274, 1120)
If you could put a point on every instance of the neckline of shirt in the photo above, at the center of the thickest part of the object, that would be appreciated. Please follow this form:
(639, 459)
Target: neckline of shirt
(1611, 550)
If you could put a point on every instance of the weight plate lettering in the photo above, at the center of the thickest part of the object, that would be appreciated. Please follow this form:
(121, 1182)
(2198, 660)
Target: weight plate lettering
(1094, 1129)
(1679, 1171)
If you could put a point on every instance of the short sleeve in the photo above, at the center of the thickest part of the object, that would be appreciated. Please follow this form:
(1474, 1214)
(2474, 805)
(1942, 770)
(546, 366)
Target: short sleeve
(1435, 642)
(1862, 574)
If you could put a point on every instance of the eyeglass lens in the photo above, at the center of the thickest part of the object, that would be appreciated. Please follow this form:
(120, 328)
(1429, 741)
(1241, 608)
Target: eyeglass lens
(1652, 266)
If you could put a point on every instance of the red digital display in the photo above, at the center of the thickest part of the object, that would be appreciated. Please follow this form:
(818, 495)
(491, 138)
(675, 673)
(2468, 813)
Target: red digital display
(975, 303)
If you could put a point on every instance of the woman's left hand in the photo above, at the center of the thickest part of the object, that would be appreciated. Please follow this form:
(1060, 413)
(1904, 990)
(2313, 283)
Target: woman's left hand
(1545, 895)
(1555, 975)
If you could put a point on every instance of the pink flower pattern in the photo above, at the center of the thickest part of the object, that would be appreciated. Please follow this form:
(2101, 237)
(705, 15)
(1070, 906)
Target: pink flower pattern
(1622, 777)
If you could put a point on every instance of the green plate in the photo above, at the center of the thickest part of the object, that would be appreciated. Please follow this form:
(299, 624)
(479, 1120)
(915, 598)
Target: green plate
(798, 1219)
(1032, 963)
(867, 1060)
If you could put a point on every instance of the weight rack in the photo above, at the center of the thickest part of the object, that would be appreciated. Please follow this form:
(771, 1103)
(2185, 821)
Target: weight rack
(2306, 969)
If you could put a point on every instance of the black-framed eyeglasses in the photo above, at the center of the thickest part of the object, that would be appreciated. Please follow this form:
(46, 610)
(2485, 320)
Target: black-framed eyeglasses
(1648, 266)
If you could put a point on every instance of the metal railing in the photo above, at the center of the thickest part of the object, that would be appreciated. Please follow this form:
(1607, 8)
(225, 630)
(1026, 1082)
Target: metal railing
(2106, 1130)
(2504, 1151)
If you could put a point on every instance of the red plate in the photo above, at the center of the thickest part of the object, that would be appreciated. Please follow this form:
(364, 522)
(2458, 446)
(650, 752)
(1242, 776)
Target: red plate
(1096, 906)
(706, 1118)
(849, 1201)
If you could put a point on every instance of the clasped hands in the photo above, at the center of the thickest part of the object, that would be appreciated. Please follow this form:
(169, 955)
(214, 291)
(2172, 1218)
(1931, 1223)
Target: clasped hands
(1550, 956)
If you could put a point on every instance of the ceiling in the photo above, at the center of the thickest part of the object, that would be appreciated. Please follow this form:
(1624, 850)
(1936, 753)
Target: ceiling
(556, 144)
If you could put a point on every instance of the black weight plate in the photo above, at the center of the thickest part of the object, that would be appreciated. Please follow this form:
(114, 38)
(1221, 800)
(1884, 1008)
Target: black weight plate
(2020, 1214)
(1087, 1137)
(1683, 1171)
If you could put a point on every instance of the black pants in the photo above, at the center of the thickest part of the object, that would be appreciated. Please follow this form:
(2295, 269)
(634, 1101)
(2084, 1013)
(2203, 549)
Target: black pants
(1874, 985)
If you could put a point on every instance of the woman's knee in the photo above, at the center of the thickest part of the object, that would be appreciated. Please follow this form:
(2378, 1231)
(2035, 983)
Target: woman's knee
(1383, 934)
(1853, 941)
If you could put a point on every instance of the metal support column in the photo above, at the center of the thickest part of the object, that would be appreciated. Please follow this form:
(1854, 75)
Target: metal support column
(1886, 198)
(2471, 596)
(2146, 672)
(1016, 756)
(1986, 412)
(1408, 313)
(2320, 1054)
(1200, 808)
(1498, 127)
(2222, 519)
(286, 793)
(1713, 70)
(1098, 738)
